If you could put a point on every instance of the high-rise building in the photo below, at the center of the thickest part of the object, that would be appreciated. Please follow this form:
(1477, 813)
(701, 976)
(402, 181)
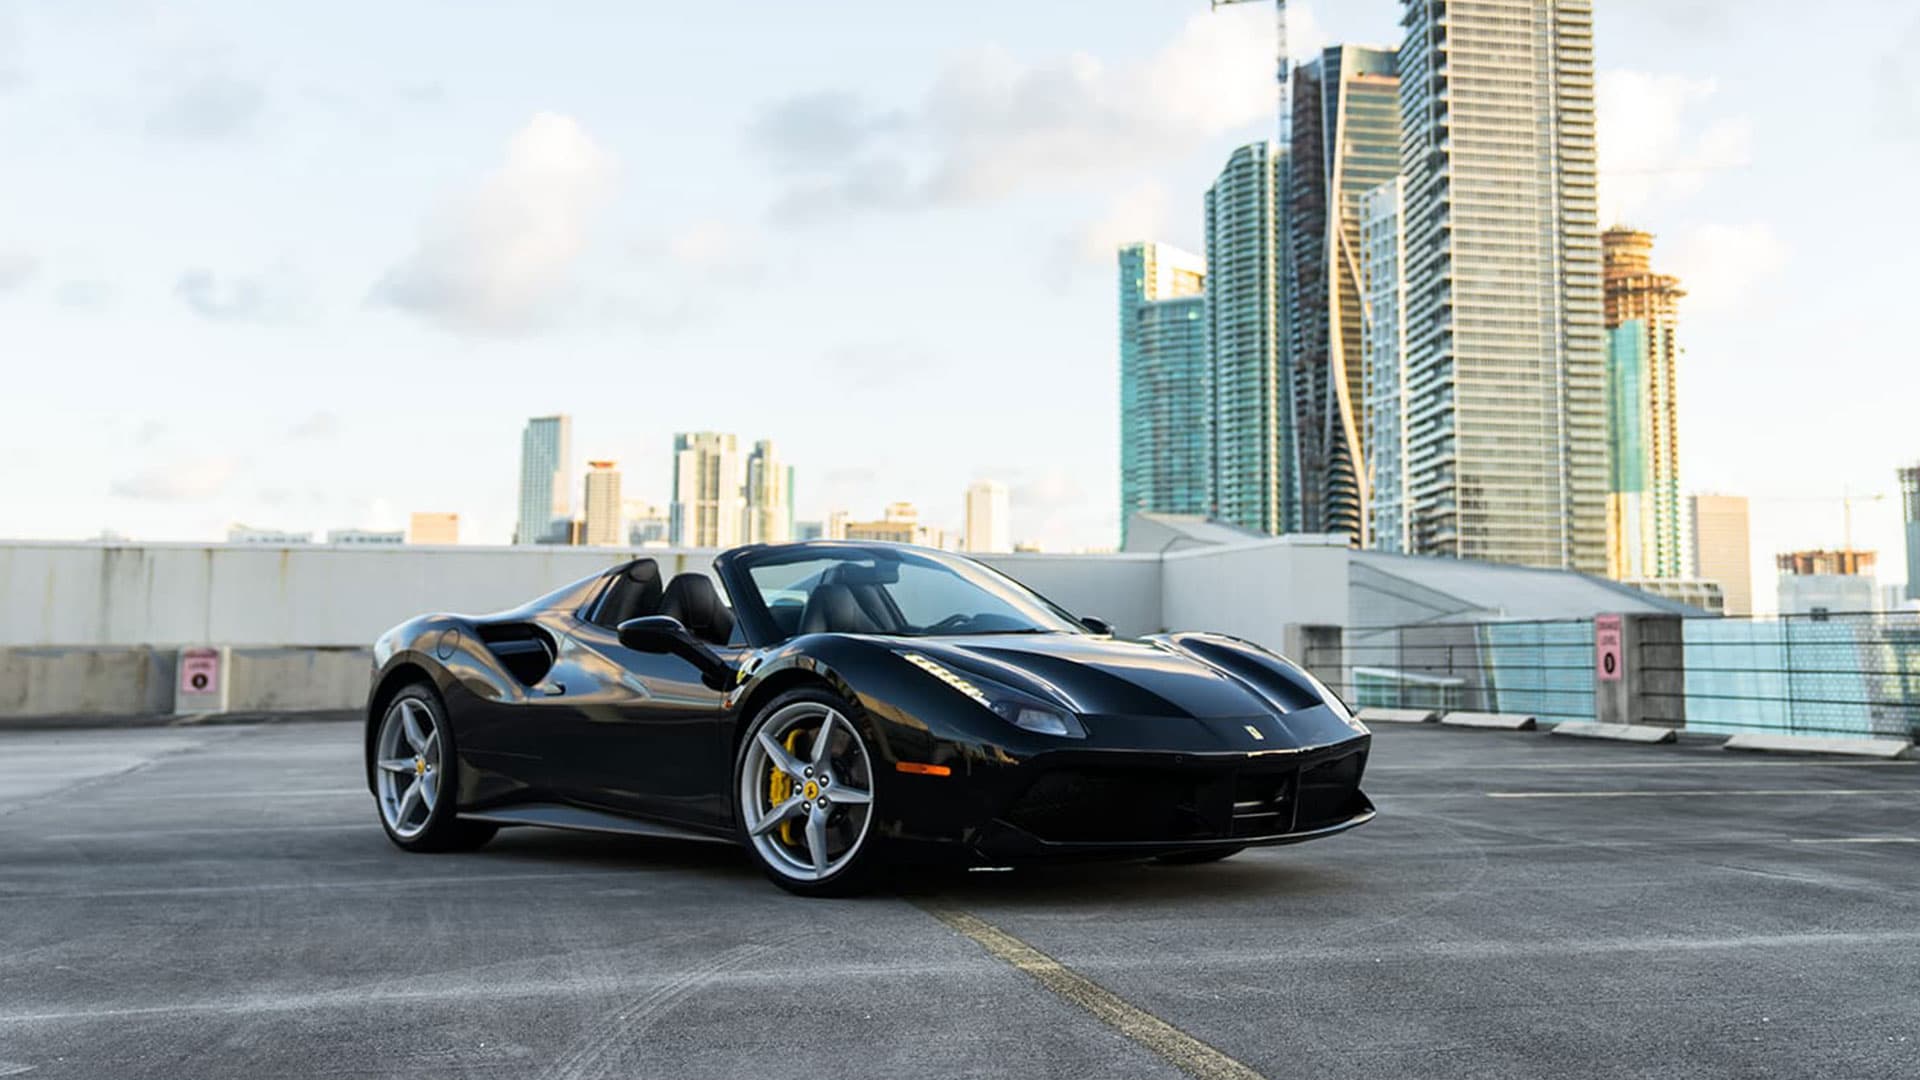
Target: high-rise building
(546, 454)
(1383, 351)
(1346, 141)
(1506, 369)
(603, 508)
(769, 497)
(899, 524)
(1722, 548)
(1910, 513)
(647, 524)
(433, 527)
(709, 481)
(1164, 400)
(1254, 479)
(247, 534)
(1646, 528)
(1822, 583)
(988, 524)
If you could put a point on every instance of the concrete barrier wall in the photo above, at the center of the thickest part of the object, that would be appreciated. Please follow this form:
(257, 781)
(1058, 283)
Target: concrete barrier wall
(138, 681)
(99, 681)
(173, 595)
(299, 680)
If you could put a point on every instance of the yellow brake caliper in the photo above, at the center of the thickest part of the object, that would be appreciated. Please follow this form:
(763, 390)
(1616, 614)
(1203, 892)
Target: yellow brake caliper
(780, 787)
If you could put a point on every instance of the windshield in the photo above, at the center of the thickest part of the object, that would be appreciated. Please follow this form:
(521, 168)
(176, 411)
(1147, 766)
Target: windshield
(861, 590)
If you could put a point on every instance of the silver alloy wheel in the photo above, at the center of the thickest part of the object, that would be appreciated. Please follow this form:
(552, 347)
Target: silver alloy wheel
(407, 760)
(828, 799)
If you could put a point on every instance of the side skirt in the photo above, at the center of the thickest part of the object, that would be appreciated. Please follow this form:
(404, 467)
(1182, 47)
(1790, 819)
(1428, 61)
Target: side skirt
(577, 819)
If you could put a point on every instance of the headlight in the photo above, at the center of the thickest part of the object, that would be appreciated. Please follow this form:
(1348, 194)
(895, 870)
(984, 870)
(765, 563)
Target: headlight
(1014, 709)
(1038, 718)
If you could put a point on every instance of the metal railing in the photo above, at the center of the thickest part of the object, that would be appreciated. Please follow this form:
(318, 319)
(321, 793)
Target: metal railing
(1543, 668)
(1828, 674)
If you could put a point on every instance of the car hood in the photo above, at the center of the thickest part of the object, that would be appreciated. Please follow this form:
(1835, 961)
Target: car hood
(1188, 676)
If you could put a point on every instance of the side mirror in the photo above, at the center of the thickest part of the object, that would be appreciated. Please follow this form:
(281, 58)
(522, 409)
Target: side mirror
(1098, 626)
(666, 634)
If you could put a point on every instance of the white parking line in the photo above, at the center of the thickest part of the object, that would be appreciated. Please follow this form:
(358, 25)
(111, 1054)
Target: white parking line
(1795, 763)
(1694, 794)
(1856, 839)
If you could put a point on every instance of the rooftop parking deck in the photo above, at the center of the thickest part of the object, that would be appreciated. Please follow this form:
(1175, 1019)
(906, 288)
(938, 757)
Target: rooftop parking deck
(212, 902)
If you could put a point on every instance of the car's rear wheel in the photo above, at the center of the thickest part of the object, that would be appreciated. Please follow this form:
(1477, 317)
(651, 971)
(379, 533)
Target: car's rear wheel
(413, 772)
(1196, 857)
(804, 788)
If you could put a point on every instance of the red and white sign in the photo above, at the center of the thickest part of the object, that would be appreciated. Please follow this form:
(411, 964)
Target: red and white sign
(200, 671)
(1606, 647)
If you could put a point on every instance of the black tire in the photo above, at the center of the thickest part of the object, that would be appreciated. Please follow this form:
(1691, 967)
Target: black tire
(858, 873)
(1198, 856)
(444, 830)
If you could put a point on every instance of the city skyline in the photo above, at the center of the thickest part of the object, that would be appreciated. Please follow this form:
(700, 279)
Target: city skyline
(199, 330)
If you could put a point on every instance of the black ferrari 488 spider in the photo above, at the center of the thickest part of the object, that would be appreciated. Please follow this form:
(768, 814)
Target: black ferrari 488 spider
(842, 705)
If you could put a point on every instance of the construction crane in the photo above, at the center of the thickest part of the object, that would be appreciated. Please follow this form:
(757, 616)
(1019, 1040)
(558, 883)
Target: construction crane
(1283, 67)
(1846, 501)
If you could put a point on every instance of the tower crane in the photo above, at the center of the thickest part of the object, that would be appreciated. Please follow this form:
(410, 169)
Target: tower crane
(1283, 67)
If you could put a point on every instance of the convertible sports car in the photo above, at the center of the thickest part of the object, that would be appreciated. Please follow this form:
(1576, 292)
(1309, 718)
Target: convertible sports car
(855, 703)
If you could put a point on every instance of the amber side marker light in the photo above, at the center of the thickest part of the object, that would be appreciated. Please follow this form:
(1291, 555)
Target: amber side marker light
(919, 769)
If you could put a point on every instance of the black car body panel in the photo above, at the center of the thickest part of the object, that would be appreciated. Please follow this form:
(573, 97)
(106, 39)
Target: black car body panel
(1190, 740)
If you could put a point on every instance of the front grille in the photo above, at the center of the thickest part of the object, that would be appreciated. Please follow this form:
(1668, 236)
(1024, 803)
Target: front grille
(1094, 805)
(1258, 798)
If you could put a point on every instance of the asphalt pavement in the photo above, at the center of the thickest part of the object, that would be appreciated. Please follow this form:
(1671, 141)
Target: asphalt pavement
(219, 902)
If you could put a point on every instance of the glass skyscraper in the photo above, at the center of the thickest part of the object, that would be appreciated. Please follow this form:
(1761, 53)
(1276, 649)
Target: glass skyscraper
(1255, 484)
(1506, 369)
(1646, 526)
(1383, 350)
(546, 451)
(1164, 383)
(1346, 141)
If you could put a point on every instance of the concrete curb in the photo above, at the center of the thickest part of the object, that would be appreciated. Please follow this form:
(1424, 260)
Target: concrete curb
(1850, 746)
(1397, 716)
(152, 720)
(1501, 721)
(1633, 733)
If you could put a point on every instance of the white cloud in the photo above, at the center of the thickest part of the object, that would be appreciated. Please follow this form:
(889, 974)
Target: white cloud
(1720, 264)
(16, 269)
(1655, 143)
(1137, 213)
(498, 259)
(272, 295)
(182, 481)
(993, 124)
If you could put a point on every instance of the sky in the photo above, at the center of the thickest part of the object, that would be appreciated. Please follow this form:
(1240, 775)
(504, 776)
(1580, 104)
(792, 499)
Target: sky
(312, 266)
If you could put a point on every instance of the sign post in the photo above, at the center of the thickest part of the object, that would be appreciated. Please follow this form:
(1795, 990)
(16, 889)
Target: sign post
(1608, 662)
(200, 685)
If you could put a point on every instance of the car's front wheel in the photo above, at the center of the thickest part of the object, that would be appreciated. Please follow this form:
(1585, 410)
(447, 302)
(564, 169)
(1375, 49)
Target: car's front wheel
(804, 787)
(413, 772)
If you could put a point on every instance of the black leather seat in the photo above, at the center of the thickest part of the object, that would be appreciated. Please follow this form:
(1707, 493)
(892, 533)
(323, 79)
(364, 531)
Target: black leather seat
(634, 593)
(833, 609)
(692, 599)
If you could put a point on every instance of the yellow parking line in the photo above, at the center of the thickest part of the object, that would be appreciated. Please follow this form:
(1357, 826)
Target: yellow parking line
(1176, 1047)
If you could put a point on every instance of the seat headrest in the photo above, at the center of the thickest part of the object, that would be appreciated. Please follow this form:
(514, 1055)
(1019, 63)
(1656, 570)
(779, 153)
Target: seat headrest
(833, 609)
(692, 599)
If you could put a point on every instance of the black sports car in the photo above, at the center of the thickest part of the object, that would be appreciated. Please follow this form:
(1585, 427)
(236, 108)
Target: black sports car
(855, 703)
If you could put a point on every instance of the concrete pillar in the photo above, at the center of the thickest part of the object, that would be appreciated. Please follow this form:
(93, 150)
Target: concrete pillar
(1649, 657)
